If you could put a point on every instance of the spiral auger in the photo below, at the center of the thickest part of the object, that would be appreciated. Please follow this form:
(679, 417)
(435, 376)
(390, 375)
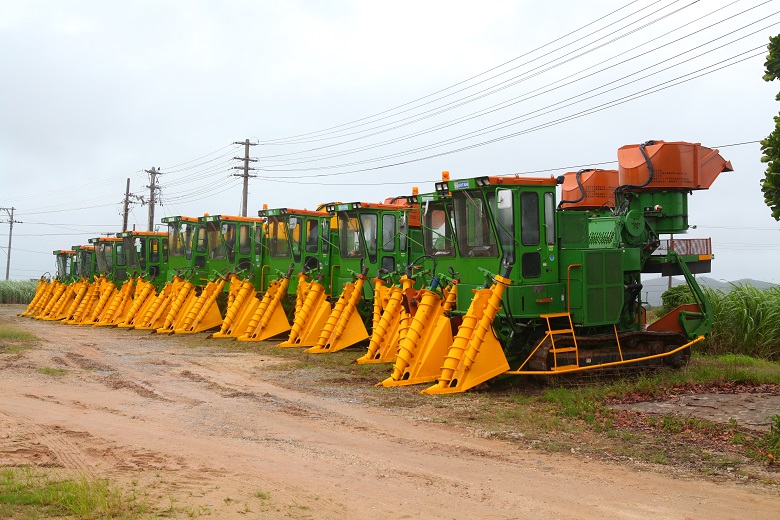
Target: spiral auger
(203, 313)
(269, 319)
(239, 310)
(143, 297)
(345, 326)
(311, 318)
(476, 355)
(385, 333)
(156, 311)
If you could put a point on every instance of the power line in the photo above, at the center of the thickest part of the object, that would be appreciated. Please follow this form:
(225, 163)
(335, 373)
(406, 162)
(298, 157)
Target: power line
(564, 82)
(172, 168)
(470, 78)
(573, 167)
(610, 104)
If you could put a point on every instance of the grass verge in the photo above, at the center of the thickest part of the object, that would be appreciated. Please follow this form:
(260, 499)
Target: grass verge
(13, 339)
(30, 493)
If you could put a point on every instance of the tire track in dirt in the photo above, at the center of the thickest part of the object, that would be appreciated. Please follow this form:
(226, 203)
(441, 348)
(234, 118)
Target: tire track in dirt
(270, 401)
(60, 442)
(19, 447)
(342, 418)
(118, 383)
(113, 381)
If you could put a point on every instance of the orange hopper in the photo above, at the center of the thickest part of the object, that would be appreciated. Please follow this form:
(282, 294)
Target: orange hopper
(679, 165)
(597, 189)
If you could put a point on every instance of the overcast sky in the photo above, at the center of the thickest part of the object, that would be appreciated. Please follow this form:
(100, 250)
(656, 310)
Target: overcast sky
(352, 100)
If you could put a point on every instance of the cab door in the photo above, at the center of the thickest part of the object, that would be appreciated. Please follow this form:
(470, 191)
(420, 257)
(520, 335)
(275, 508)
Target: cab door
(525, 227)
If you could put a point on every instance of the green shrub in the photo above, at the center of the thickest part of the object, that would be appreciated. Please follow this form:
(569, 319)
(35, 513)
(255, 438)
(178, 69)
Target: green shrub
(676, 296)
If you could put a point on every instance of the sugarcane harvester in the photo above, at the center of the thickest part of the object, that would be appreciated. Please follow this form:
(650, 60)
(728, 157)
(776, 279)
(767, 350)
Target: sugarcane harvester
(372, 238)
(551, 288)
(105, 302)
(143, 254)
(225, 250)
(53, 293)
(155, 294)
(102, 288)
(48, 289)
(294, 257)
(89, 295)
(69, 295)
(415, 328)
(139, 261)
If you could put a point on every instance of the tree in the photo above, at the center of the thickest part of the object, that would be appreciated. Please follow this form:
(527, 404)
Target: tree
(676, 296)
(770, 146)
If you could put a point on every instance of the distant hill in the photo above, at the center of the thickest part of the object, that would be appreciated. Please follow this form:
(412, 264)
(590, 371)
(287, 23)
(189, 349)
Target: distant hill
(653, 288)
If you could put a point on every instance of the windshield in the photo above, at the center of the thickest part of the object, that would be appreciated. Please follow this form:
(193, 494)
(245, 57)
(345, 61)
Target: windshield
(245, 239)
(349, 235)
(180, 238)
(277, 238)
(104, 250)
(119, 254)
(63, 265)
(368, 221)
(258, 238)
(130, 257)
(295, 226)
(211, 241)
(312, 234)
(472, 225)
(85, 267)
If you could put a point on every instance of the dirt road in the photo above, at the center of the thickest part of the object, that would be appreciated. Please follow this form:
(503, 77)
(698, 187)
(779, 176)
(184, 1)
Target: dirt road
(211, 431)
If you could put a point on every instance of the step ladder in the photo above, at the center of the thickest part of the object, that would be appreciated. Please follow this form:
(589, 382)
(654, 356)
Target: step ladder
(551, 333)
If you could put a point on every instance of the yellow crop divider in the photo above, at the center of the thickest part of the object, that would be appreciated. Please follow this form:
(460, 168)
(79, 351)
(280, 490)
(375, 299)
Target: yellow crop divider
(53, 292)
(90, 301)
(181, 302)
(124, 301)
(476, 355)
(43, 287)
(239, 311)
(385, 334)
(311, 318)
(269, 319)
(345, 326)
(79, 306)
(60, 302)
(120, 302)
(155, 314)
(423, 345)
(106, 291)
(143, 296)
(203, 313)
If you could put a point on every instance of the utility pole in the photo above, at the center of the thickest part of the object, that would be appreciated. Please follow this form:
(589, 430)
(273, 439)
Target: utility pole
(245, 175)
(11, 222)
(127, 203)
(130, 198)
(153, 188)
